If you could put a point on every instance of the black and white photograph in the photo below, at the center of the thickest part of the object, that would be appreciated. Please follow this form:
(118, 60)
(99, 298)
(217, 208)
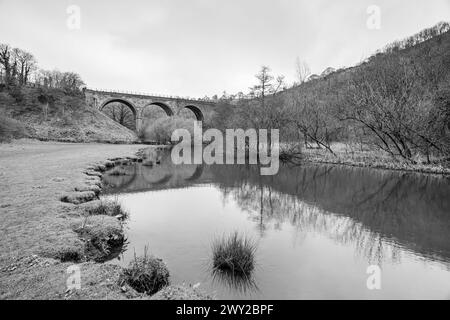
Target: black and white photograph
(235, 153)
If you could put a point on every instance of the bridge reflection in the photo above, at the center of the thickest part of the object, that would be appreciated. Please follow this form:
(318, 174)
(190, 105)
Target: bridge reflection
(351, 205)
(140, 178)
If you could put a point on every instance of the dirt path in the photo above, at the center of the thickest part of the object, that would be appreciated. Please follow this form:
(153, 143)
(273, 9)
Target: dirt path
(33, 222)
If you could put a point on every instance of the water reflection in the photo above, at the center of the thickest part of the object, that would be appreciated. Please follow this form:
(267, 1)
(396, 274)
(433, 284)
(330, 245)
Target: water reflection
(382, 215)
(163, 176)
(409, 209)
(235, 282)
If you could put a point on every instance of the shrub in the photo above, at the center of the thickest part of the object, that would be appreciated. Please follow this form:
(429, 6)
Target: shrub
(10, 129)
(69, 255)
(103, 238)
(161, 130)
(17, 93)
(234, 254)
(146, 274)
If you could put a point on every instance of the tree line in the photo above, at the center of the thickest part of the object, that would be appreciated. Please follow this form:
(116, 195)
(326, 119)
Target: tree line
(398, 102)
(19, 67)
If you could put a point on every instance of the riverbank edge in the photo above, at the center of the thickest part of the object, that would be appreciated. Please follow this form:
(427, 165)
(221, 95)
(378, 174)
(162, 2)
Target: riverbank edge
(89, 197)
(375, 164)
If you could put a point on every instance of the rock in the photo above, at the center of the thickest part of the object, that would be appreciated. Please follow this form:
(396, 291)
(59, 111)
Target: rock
(108, 164)
(79, 197)
(180, 292)
(91, 204)
(101, 167)
(93, 173)
(118, 162)
(57, 179)
(147, 163)
(94, 180)
(88, 187)
(97, 167)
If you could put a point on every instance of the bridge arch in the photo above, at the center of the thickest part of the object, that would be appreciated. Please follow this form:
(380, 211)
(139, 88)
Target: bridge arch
(162, 105)
(196, 110)
(127, 119)
(123, 101)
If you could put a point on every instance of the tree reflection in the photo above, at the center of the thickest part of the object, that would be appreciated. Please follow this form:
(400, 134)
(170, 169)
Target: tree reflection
(235, 282)
(381, 213)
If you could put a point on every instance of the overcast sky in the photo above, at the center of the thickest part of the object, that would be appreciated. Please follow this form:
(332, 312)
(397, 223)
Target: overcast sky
(203, 47)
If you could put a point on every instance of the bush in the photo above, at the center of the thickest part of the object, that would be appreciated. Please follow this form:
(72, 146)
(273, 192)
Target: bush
(161, 130)
(103, 238)
(17, 93)
(69, 255)
(11, 129)
(146, 274)
(234, 254)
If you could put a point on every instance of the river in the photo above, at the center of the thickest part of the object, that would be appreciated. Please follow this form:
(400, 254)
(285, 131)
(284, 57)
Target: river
(318, 228)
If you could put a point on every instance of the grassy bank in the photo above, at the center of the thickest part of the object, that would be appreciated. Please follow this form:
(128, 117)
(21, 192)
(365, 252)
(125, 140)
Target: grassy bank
(54, 115)
(357, 156)
(42, 236)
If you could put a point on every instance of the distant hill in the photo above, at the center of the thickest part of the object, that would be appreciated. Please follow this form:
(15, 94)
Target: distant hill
(397, 100)
(51, 114)
(431, 54)
(429, 48)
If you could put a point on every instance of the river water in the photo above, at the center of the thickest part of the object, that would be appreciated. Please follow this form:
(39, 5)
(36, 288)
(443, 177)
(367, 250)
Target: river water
(318, 228)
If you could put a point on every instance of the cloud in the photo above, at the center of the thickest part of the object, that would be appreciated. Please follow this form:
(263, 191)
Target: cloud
(205, 47)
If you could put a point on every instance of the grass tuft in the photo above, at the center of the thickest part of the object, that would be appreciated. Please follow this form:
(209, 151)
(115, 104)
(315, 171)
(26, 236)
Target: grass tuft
(110, 208)
(234, 254)
(146, 274)
(69, 256)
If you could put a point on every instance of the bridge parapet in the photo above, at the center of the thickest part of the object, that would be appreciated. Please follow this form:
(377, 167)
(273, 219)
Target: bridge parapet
(150, 95)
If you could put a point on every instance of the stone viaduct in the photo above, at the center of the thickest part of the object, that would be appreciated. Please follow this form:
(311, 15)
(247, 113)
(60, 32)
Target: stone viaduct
(137, 102)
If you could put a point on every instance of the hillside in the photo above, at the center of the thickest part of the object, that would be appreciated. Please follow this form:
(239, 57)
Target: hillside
(399, 99)
(51, 114)
(433, 55)
(390, 111)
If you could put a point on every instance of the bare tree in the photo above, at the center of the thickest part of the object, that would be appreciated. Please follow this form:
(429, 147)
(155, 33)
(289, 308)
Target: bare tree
(68, 81)
(121, 114)
(302, 70)
(6, 62)
(391, 101)
(313, 120)
(264, 85)
(26, 64)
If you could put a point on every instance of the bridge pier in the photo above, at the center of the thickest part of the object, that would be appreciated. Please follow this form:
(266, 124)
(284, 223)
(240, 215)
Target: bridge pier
(138, 124)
